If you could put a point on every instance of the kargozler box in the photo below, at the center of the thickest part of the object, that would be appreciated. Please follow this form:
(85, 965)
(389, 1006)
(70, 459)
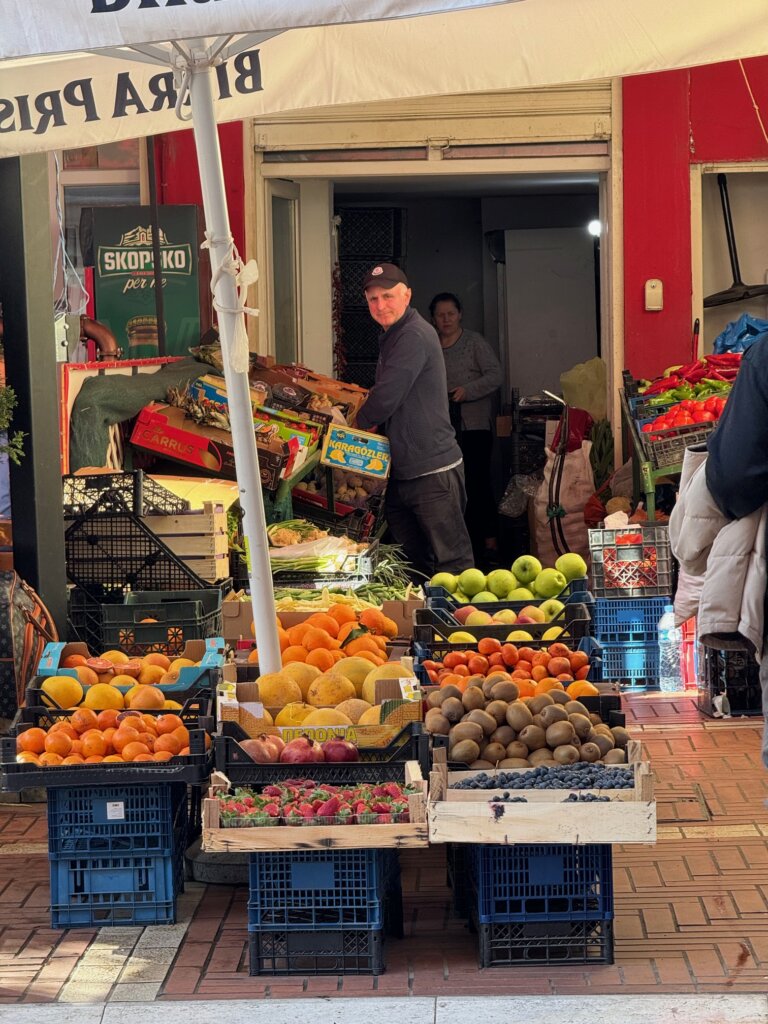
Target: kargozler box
(167, 431)
(357, 451)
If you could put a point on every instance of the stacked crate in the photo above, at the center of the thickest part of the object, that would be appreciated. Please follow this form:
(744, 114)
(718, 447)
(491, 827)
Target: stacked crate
(322, 912)
(542, 904)
(632, 583)
(116, 853)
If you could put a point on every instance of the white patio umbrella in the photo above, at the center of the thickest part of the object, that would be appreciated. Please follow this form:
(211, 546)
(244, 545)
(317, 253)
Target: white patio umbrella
(83, 72)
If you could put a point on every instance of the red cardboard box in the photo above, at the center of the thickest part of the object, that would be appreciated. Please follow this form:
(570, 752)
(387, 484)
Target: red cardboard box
(166, 430)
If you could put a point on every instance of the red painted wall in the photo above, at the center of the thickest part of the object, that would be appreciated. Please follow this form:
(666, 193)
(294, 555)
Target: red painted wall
(672, 120)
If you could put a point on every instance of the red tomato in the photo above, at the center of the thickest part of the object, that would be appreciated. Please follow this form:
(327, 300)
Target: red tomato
(704, 416)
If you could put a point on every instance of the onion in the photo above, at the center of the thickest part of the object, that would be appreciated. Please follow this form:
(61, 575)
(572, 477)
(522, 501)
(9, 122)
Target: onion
(337, 749)
(261, 750)
(302, 750)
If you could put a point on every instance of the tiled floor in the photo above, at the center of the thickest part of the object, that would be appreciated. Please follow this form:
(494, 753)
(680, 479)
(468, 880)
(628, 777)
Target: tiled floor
(691, 912)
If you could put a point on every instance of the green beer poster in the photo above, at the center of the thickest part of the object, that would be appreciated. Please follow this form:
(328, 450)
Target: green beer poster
(124, 277)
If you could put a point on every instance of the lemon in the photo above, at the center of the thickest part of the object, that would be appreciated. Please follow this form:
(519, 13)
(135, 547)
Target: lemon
(103, 697)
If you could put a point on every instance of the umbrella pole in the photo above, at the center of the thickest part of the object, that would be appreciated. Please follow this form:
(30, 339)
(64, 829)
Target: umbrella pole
(238, 393)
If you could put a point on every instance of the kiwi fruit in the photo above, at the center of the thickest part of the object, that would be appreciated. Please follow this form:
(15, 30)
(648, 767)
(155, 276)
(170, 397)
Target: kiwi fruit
(615, 757)
(589, 752)
(540, 756)
(436, 722)
(498, 710)
(537, 720)
(559, 696)
(602, 727)
(513, 762)
(533, 736)
(517, 749)
(595, 719)
(575, 707)
(466, 731)
(553, 713)
(494, 752)
(505, 690)
(482, 764)
(605, 743)
(473, 698)
(581, 724)
(519, 715)
(486, 722)
(620, 736)
(504, 734)
(498, 675)
(559, 733)
(449, 691)
(466, 751)
(453, 709)
(537, 703)
(565, 754)
(435, 698)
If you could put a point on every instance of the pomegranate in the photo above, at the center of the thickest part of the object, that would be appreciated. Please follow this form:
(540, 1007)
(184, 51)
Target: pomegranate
(337, 749)
(277, 743)
(302, 750)
(261, 750)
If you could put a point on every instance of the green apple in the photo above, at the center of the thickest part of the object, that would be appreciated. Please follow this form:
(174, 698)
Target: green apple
(526, 568)
(521, 594)
(572, 566)
(446, 580)
(552, 608)
(484, 595)
(460, 596)
(549, 583)
(500, 582)
(505, 616)
(478, 618)
(472, 582)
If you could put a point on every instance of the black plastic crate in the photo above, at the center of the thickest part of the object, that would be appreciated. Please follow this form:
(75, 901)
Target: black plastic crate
(431, 632)
(619, 621)
(97, 892)
(376, 764)
(318, 889)
(734, 673)
(526, 943)
(357, 523)
(119, 492)
(108, 550)
(174, 617)
(345, 951)
(541, 882)
(112, 820)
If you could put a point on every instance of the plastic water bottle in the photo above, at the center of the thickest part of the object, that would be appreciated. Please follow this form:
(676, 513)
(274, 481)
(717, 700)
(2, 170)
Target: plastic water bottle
(670, 639)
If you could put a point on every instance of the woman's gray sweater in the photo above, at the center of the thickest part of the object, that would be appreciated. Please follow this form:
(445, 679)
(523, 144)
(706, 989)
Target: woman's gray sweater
(471, 363)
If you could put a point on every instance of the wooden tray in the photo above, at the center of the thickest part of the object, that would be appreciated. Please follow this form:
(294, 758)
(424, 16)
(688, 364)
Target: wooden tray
(316, 837)
(466, 816)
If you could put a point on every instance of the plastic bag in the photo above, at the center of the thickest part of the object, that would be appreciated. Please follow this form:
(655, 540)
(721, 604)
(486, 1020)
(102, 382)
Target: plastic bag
(585, 386)
(576, 488)
(518, 492)
(740, 334)
(579, 427)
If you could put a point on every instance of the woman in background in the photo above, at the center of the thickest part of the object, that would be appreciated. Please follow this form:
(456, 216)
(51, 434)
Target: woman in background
(474, 376)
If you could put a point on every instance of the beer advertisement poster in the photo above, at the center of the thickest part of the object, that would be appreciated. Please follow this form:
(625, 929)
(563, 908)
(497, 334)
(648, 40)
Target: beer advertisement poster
(124, 277)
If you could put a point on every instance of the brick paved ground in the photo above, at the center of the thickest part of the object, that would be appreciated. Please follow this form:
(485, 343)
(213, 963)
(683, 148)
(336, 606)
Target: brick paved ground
(691, 912)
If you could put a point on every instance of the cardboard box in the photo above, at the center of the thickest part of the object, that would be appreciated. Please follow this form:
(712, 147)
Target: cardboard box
(167, 431)
(357, 451)
(401, 612)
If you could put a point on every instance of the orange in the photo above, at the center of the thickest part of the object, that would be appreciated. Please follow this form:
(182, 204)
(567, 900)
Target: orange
(108, 734)
(31, 740)
(131, 750)
(86, 675)
(73, 660)
(253, 656)
(538, 672)
(523, 666)
(27, 757)
(143, 757)
(84, 719)
(342, 613)
(540, 658)
(282, 637)
(547, 684)
(77, 746)
(582, 688)
(94, 759)
(374, 659)
(58, 743)
(145, 697)
(496, 660)
(525, 688)
(63, 726)
(362, 643)
(162, 755)
(578, 660)
(107, 719)
(373, 619)
(324, 621)
(73, 759)
(321, 658)
(559, 666)
(48, 759)
(454, 658)
(158, 659)
(182, 734)
(478, 665)
(93, 742)
(113, 758)
(167, 723)
(123, 737)
(296, 633)
(316, 637)
(294, 653)
(149, 723)
(184, 752)
(390, 628)
(338, 655)
(488, 645)
(169, 742)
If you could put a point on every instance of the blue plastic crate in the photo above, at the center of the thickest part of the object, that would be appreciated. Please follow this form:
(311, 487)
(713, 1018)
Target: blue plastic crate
(103, 891)
(634, 665)
(117, 819)
(618, 621)
(315, 889)
(541, 882)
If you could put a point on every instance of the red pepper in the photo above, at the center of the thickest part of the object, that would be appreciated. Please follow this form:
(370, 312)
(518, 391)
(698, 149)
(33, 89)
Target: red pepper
(724, 359)
(664, 384)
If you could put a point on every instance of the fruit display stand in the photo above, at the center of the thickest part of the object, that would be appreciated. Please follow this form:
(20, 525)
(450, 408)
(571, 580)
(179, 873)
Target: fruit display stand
(546, 816)
(282, 837)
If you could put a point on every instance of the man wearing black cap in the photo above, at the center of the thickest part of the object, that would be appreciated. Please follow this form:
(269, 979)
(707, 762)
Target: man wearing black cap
(425, 496)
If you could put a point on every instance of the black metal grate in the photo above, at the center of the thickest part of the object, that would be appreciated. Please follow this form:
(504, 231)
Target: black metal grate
(369, 232)
(361, 335)
(363, 374)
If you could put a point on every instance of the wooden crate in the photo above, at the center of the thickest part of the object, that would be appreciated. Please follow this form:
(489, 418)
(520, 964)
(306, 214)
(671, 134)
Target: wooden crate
(316, 837)
(469, 816)
(198, 537)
